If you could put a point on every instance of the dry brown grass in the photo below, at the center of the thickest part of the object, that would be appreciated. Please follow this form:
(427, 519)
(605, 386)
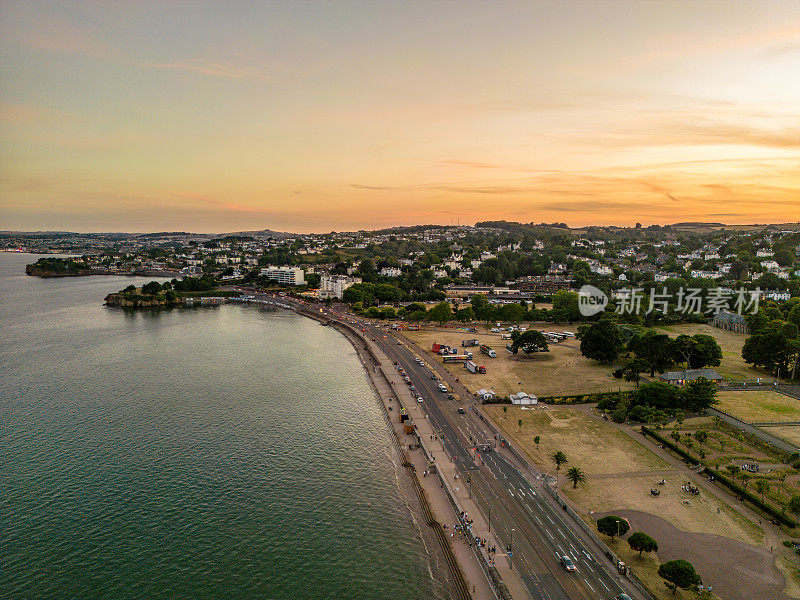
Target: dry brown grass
(562, 371)
(759, 405)
(790, 434)
(733, 366)
(592, 444)
(620, 471)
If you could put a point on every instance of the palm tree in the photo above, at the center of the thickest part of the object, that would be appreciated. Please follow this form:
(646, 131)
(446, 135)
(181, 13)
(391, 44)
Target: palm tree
(559, 458)
(576, 476)
(536, 441)
(519, 422)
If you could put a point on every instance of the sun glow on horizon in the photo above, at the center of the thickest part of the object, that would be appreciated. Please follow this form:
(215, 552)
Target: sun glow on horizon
(314, 117)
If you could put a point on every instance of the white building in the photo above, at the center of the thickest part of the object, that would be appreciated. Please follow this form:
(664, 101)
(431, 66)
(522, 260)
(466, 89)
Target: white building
(333, 286)
(285, 275)
(523, 398)
(391, 272)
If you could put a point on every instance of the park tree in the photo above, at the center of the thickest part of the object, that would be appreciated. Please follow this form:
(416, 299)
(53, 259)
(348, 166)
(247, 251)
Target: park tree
(536, 441)
(654, 348)
(519, 424)
(774, 347)
(511, 312)
(529, 341)
(745, 479)
(441, 313)
(762, 487)
(733, 471)
(612, 526)
(699, 395)
(151, 288)
(633, 370)
(465, 315)
(559, 458)
(794, 505)
(565, 306)
(576, 476)
(601, 341)
(701, 436)
(706, 353)
(658, 394)
(641, 542)
(679, 573)
(697, 351)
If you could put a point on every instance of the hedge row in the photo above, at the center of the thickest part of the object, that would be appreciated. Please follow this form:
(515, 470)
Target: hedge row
(671, 445)
(584, 398)
(731, 485)
(752, 498)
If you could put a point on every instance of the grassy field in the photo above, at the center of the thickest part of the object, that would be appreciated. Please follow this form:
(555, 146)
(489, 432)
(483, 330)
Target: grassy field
(589, 443)
(619, 471)
(559, 372)
(790, 434)
(760, 405)
(733, 366)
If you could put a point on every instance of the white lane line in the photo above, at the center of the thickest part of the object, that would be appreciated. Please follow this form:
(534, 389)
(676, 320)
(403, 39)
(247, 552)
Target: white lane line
(587, 583)
(604, 585)
(562, 534)
(551, 535)
(549, 519)
(538, 519)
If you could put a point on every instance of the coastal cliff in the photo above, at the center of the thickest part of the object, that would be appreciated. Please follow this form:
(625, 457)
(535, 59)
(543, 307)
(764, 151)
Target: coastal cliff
(58, 267)
(138, 301)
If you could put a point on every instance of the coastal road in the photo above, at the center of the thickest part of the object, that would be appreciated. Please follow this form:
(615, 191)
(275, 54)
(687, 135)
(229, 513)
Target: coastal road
(541, 536)
(518, 509)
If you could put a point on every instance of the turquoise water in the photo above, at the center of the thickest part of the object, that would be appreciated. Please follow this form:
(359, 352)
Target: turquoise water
(211, 453)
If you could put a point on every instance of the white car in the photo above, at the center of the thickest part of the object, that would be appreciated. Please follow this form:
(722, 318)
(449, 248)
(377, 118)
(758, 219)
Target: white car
(419, 399)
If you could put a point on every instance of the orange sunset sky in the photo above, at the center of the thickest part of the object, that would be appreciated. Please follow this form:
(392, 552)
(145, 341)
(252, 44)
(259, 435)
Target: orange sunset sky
(314, 116)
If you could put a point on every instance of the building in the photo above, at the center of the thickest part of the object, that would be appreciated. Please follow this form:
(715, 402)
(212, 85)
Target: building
(543, 284)
(391, 272)
(523, 399)
(285, 275)
(730, 322)
(333, 286)
(681, 378)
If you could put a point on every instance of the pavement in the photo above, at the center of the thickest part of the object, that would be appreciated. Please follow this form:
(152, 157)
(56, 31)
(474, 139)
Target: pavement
(521, 513)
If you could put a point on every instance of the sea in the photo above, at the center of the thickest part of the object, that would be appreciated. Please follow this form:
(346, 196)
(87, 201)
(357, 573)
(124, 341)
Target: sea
(225, 452)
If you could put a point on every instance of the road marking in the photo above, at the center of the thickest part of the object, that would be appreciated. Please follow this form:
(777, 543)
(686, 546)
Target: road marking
(562, 534)
(587, 583)
(550, 534)
(604, 585)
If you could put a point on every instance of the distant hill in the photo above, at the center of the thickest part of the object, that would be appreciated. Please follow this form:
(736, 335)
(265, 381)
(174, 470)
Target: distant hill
(260, 233)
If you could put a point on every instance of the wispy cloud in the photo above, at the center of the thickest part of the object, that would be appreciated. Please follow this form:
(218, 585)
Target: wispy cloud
(218, 69)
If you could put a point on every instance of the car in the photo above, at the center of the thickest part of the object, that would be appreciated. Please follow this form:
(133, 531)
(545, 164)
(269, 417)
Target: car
(413, 389)
(567, 563)
(442, 388)
(450, 396)
(398, 342)
(622, 597)
(433, 376)
(396, 363)
(419, 399)
(461, 411)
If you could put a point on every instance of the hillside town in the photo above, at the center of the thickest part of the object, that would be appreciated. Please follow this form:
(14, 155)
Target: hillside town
(511, 262)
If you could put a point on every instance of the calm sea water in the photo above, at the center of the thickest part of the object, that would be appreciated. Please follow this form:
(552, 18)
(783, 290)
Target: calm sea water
(212, 453)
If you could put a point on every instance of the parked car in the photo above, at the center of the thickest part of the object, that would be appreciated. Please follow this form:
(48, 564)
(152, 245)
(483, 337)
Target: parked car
(567, 563)
(461, 411)
(622, 597)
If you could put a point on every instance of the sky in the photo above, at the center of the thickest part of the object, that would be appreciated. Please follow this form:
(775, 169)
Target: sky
(320, 116)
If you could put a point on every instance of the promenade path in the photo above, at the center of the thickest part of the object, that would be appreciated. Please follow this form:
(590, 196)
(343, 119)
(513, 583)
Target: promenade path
(395, 396)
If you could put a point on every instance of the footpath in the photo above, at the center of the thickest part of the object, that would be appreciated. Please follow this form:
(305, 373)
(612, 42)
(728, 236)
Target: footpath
(447, 494)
